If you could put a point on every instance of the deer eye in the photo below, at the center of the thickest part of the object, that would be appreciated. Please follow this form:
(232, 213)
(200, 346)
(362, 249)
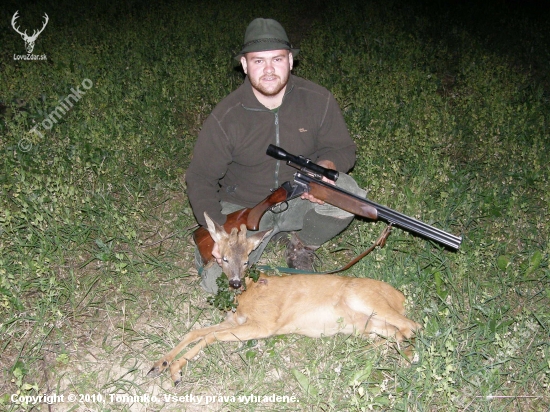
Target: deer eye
(225, 259)
(245, 263)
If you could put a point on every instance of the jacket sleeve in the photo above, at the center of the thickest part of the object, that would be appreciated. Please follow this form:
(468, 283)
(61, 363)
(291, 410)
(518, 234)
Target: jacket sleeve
(334, 141)
(211, 157)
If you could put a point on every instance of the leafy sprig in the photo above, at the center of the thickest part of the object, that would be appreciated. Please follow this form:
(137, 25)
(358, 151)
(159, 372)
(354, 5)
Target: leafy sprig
(225, 298)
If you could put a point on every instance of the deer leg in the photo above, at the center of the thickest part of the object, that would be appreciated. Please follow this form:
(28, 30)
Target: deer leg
(397, 327)
(161, 365)
(238, 333)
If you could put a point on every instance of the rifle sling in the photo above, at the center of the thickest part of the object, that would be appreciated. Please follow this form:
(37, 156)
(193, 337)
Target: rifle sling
(381, 242)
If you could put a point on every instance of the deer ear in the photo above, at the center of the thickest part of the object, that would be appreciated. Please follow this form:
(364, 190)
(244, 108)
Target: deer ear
(215, 230)
(257, 238)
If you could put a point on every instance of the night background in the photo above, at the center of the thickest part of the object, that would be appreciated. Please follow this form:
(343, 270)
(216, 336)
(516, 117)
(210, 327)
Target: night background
(449, 104)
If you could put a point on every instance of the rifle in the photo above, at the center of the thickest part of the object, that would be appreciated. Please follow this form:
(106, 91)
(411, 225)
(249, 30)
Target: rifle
(309, 178)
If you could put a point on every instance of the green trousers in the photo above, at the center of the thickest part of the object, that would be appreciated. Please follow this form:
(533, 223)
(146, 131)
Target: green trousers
(315, 223)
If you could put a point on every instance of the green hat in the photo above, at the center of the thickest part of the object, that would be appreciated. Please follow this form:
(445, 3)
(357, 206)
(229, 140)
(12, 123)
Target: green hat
(265, 34)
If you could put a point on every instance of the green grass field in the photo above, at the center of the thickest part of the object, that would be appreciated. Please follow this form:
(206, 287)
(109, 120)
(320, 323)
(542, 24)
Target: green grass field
(449, 103)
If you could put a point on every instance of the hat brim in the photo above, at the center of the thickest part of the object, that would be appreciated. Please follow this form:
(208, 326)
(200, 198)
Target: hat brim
(265, 47)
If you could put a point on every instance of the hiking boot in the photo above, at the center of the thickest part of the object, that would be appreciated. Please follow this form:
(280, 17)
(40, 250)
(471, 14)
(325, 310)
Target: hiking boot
(300, 256)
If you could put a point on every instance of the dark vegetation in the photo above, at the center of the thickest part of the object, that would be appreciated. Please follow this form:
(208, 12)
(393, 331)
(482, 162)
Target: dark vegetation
(449, 103)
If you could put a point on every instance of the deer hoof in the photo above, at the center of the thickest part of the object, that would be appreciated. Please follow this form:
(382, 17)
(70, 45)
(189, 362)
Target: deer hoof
(177, 379)
(157, 368)
(154, 371)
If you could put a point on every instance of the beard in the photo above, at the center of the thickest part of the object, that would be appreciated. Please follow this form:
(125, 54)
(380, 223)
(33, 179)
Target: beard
(271, 89)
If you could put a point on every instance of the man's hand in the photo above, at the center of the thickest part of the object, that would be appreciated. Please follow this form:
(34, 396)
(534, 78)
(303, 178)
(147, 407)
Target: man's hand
(328, 165)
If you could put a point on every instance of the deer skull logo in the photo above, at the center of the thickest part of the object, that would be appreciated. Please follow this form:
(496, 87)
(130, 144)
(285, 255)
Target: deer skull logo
(29, 40)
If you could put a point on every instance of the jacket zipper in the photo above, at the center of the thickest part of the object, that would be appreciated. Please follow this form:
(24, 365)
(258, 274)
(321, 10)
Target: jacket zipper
(278, 164)
(277, 139)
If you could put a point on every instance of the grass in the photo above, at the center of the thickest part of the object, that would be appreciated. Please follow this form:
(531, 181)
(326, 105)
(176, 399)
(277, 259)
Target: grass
(449, 106)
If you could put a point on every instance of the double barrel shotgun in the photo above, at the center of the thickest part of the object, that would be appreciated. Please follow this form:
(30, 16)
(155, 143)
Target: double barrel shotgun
(309, 178)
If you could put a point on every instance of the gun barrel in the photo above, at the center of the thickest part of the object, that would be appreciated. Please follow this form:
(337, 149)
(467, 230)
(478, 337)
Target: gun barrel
(385, 213)
(416, 226)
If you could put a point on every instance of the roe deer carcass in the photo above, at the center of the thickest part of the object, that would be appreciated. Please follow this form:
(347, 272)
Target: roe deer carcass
(310, 305)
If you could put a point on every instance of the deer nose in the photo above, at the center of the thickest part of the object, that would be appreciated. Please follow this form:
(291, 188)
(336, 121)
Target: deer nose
(235, 283)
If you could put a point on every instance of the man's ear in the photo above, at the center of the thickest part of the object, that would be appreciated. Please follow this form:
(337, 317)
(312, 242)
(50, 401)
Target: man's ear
(244, 64)
(290, 60)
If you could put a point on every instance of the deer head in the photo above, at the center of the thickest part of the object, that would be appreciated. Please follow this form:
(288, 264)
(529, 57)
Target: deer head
(29, 40)
(234, 248)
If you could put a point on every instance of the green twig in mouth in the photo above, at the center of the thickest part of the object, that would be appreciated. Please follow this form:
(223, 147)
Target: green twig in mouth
(225, 298)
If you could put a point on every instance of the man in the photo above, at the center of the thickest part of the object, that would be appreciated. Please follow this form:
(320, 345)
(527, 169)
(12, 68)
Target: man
(230, 170)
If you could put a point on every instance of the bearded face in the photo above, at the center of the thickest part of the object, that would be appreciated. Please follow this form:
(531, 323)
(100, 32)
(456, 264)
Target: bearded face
(268, 71)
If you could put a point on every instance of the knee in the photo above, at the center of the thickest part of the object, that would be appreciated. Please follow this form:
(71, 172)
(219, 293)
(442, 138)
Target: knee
(349, 184)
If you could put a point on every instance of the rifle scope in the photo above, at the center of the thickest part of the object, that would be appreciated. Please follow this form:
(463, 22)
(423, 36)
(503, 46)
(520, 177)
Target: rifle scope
(300, 162)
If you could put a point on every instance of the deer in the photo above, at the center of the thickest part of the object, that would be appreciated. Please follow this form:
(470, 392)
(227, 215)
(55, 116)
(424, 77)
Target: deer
(312, 305)
(29, 40)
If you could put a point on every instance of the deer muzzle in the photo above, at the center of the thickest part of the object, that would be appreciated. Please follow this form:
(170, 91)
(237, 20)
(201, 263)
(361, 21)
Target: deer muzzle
(235, 283)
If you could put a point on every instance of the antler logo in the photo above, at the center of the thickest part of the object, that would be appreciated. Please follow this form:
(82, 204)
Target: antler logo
(29, 40)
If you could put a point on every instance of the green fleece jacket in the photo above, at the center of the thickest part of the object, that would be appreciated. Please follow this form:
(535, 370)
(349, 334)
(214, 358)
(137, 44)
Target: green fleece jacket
(229, 161)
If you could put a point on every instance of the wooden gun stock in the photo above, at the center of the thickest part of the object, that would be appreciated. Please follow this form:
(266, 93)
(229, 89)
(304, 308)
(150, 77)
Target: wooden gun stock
(250, 217)
(343, 200)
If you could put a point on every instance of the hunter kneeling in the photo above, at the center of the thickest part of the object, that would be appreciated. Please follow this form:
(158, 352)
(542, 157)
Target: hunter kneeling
(230, 169)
